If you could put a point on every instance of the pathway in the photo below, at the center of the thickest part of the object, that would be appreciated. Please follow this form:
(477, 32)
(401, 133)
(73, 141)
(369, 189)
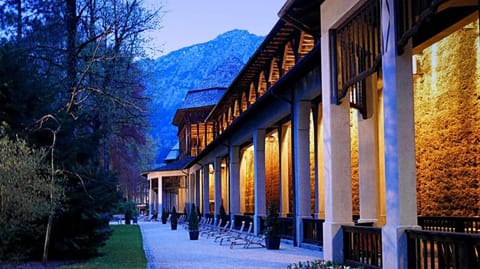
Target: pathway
(167, 249)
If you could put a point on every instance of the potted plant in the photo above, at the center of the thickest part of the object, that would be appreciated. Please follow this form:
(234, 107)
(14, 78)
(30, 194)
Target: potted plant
(193, 223)
(164, 216)
(129, 209)
(272, 239)
(173, 219)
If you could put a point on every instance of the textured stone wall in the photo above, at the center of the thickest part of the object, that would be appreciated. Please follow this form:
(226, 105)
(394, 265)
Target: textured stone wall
(272, 170)
(354, 161)
(246, 181)
(447, 125)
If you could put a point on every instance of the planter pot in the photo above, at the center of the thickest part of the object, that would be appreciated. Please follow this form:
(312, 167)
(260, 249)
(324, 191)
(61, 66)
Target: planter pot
(193, 235)
(173, 226)
(272, 242)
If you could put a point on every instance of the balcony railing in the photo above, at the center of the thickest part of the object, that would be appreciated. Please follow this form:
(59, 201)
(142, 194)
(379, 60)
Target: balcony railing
(313, 231)
(411, 15)
(469, 225)
(362, 246)
(430, 250)
(356, 55)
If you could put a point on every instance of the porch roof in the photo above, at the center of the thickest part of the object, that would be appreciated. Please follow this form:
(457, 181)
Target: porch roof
(304, 14)
(308, 63)
(176, 165)
(267, 50)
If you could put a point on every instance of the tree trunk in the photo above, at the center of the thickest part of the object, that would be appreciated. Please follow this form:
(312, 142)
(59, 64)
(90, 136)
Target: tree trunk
(47, 239)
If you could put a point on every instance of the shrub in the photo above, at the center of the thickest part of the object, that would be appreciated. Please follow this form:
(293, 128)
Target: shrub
(193, 219)
(25, 199)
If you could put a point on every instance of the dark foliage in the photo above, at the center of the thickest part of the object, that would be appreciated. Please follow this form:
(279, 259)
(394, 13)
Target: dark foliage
(271, 222)
(193, 219)
(82, 227)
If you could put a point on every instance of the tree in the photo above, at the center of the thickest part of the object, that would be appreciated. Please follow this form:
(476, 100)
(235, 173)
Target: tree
(25, 197)
(81, 52)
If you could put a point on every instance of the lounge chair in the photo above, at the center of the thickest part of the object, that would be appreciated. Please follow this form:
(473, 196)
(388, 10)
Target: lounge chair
(243, 238)
(233, 234)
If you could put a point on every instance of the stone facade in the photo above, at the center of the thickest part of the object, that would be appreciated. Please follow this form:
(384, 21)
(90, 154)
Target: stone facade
(447, 125)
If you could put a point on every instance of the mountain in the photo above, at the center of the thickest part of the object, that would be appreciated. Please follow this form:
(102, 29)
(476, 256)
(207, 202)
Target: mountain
(212, 64)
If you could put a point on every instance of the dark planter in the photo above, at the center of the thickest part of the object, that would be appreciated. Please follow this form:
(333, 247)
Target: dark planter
(193, 235)
(272, 242)
(173, 226)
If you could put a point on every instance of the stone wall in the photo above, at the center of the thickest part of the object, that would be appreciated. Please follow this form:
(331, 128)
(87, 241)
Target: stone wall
(272, 170)
(354, 161)
(246, 181)
(447, 125)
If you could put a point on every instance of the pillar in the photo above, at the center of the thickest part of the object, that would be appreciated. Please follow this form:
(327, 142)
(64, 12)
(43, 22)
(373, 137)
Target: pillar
(218, 185)
(150, 198)
(197, 188)
(301, 125)
(234, 181)
(159, 200)
(337, 163)
(368, 157)
(259, 177)
(206, 191)
(399, 139)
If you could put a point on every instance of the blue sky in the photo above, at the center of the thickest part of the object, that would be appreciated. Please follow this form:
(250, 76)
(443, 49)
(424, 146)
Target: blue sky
(189, 22)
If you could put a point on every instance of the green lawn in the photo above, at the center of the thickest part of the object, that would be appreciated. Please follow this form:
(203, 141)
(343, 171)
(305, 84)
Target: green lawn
(122, 250)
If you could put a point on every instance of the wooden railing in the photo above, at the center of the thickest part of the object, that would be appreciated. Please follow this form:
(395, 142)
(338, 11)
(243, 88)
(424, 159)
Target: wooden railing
(362, 246)
(469, 225)
(286, 228)
(313, 231)
(239, 218)
(430, 250)
(355, 54)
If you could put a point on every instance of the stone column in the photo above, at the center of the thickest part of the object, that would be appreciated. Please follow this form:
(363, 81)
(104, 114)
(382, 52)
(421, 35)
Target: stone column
(197, 188)
(368, 157)
(259, 177)
(337, 163)
(206, 191)
(160, 195)
(150, 198)
(218, 185)
(301, 118)
(234, 181)
(399, 140)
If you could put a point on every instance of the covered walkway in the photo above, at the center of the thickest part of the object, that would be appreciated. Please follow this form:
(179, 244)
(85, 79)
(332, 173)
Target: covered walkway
(166, 249)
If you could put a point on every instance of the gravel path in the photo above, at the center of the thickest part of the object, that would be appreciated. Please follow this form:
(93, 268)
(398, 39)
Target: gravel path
(166, 249)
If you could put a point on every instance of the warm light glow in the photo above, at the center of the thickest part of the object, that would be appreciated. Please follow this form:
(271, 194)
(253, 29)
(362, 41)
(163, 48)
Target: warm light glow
(434, 68)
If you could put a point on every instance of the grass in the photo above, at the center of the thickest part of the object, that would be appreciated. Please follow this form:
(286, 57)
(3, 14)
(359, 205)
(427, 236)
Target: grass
(123, 249)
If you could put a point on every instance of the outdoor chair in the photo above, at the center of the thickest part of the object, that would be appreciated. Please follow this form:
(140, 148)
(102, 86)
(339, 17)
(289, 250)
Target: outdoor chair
(219, 231)
(242, 238)
(206, 225)
(233, 234)
(255, 240)
(224, 232)
(212, 228)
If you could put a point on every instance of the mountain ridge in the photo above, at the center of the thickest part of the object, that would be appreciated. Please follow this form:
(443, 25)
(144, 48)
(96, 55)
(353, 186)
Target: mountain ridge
(168, 78)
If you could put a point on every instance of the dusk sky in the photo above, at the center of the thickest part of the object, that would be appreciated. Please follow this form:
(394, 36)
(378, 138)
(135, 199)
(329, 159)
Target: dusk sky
(189, 22)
